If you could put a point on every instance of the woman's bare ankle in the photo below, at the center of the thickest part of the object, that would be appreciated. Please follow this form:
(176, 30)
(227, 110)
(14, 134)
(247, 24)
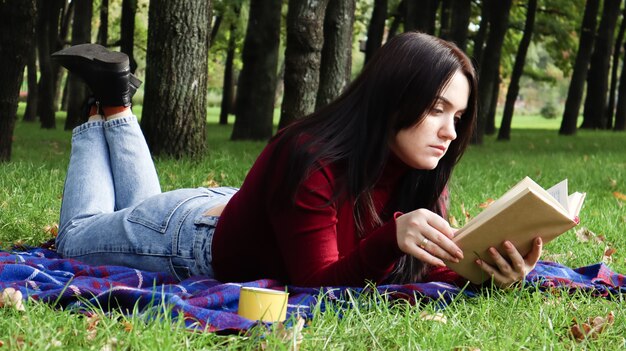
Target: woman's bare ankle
(113, 112)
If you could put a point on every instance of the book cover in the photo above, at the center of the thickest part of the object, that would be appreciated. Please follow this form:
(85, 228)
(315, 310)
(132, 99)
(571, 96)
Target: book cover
(523, 213)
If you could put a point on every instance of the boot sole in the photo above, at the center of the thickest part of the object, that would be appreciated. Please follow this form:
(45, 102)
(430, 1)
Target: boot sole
(110, 60)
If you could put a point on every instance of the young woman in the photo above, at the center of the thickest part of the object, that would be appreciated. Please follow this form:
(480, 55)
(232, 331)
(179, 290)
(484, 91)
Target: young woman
(347, 195)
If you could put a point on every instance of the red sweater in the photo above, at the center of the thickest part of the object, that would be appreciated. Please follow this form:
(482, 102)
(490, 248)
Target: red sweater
(312, 243)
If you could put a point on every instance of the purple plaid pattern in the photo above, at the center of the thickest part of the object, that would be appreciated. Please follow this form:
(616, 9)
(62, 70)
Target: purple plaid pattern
(210, 305)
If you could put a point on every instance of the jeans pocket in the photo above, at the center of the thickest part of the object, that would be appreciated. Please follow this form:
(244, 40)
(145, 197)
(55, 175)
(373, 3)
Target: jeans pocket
(156, 212)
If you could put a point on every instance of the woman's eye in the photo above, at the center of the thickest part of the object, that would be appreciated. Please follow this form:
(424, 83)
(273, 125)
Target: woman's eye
(437, 111)
(457, 119)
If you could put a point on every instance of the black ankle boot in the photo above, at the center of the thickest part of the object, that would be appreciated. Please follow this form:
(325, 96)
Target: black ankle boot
(107, 73)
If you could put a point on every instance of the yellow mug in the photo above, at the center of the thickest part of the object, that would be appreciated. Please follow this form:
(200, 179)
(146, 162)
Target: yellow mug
(263, 304)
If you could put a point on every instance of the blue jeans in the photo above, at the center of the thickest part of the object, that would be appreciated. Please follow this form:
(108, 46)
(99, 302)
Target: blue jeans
(114, 213)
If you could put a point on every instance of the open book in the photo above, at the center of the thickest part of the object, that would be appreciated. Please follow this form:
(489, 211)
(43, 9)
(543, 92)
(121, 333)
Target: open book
(523, 213)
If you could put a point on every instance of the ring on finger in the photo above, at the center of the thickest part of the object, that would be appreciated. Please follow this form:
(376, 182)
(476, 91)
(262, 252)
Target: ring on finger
(423, 243)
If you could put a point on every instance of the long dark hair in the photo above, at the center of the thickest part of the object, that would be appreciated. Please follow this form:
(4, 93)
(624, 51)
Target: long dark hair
(395, 90)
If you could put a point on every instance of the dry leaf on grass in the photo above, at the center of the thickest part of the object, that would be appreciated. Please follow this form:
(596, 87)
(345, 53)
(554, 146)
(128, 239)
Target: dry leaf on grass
(92, 326)
(11, 298)
(607, 255)
(486, 204)
(619, 195)
(52, 229)
(583, 234)
(292, 335)
(437, 317)
(591, 328)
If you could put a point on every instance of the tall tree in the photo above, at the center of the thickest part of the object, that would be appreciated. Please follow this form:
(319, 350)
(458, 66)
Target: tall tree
(174, 110)
(594, 113)
(445, 19)
(77, 90)
(489, 66)
(461, 14)
(127, 31)
(17, 22)
(398, 18)
(336, 61)
(581, 67)
(257, 81)
(305, 38)
(376, 28)
(47, 31)
(420, 15)
(103, 29)
(483, 29)
(617, 53)
(518, 68)
(620, 111)
(228, 86)
(30, 113)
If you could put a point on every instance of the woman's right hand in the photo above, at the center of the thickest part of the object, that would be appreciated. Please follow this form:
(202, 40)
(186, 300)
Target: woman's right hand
(426, 236)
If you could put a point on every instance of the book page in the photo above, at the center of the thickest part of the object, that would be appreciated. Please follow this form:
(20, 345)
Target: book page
(576, 203)
(559, 192)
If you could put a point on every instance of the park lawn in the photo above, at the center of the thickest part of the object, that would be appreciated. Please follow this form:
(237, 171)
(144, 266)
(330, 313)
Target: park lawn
(595, 162)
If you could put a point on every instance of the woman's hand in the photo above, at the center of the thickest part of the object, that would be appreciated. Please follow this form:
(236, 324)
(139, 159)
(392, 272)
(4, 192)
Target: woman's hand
(426, 236)
(506, 273)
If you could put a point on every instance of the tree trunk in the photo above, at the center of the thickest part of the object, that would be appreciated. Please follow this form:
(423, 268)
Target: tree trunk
(127, 31)
(483, 29)
(228, 90)
(254, 105)
(215, 29)
(376, 28)
(461, 13)
(610, 110)
(30, 113)
(77, 89)
(103, 29)
(620, 113)
(490, 63)
(490, 126)
(60, 39)
(518, 68)
(398, 17)
(594, 113)
(581, 67)
(420, 15)
(174, 109)
(47, 28)
(17, 22)
(336, 62)
(445, 19)
(305, 38)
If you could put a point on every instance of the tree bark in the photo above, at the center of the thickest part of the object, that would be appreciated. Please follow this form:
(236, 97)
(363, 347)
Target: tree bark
(483, 29)
(376, 28)
(17, 22)
(336, 62)
(30, 113)
(461, 13)
(581, 67)
(47, 33)
(620, 113)
(228, 89)
(257, 81)
(594, 113)
(174, 109)
(490, 63)
(127, 31)
(445, 19)
(610, 110)
(398, 17)
(420, 15)
(305, 38)
(77, 90)
(103, 29)
(518, 68)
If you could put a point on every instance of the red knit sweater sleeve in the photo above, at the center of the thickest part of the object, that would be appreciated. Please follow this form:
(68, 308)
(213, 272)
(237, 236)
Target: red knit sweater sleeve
(319, 244)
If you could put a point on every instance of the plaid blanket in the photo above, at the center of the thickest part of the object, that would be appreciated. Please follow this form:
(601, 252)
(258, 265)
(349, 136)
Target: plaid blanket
(207, 304)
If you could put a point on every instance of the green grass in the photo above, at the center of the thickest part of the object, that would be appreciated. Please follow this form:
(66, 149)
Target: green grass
(595, 162)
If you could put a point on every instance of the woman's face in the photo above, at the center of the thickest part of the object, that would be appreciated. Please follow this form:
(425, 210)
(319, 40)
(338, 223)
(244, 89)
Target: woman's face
(422, 146)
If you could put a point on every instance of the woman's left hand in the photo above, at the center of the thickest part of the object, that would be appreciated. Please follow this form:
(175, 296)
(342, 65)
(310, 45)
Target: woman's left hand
(506, 273)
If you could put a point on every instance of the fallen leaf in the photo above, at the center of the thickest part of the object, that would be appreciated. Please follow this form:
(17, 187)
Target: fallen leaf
(52, 229)
(608, 252)
(92, 324)
(612, 183)
(110, 345)
(583, 234)
(12, 298)
(293, 335)
(592, 328)
(465, 213)
(619, 195)
(128, 327)
(486, 203)
(453, 222)
(437, 317)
